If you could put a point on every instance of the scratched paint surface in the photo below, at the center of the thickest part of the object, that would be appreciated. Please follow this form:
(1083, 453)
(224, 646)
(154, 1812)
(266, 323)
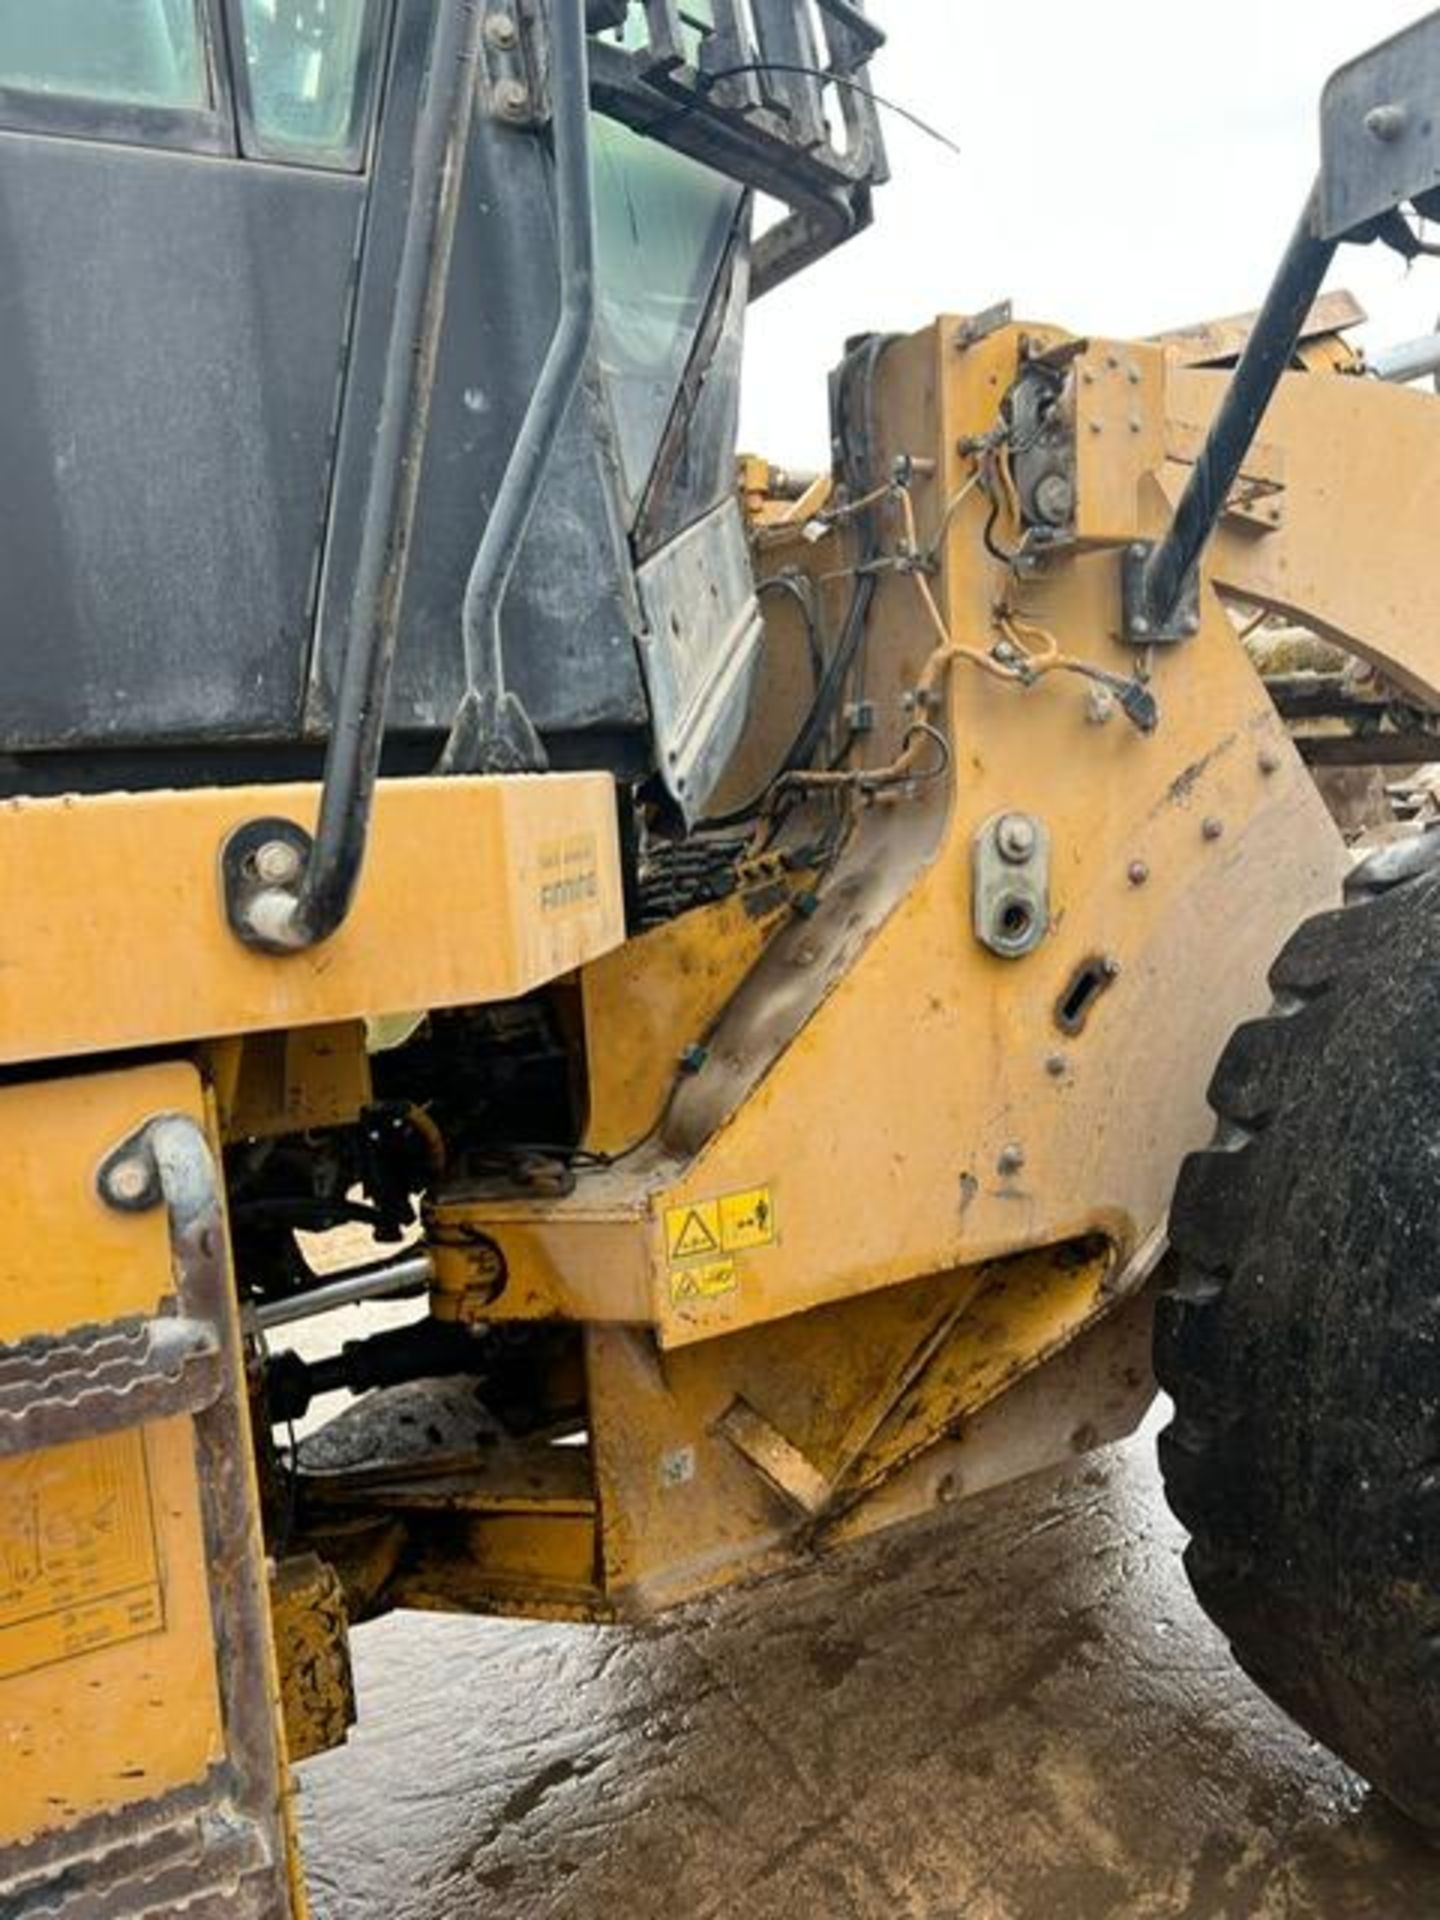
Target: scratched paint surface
(1014, 1712)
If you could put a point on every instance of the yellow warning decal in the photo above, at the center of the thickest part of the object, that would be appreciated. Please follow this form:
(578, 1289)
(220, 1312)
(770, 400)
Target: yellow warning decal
(708, 1280)
(735, 1222)
(692, 1233)
(747, 1219)
(78, 1563)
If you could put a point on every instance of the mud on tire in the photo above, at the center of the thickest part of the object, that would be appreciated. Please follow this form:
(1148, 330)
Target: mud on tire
(1301, 1343)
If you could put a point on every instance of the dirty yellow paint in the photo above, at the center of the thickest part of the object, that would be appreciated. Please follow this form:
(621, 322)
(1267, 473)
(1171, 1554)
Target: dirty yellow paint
(276, 1083)
(977, 1125)
(649, 999)
(569, 870)
(113, 1694)
(66, 1259)
(107, 1670)
(474, 889)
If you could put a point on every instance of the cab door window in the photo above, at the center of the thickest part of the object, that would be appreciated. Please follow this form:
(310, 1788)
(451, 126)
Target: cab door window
(138, 53)
(309, 71)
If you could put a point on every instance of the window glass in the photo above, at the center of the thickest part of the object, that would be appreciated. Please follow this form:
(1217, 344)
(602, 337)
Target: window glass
(307, 67)
(145, 53)
(697, 19)
(662, 225)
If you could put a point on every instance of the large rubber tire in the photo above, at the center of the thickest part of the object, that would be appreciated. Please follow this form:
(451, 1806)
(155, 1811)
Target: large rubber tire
(1301, 1343)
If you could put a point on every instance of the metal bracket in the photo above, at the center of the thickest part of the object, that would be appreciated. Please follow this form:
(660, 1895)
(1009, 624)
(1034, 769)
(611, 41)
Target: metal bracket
(1012, 884)
(1380, 131)
(770, 92)
(1137, 617)
(979, 326)
(261, 867)
(513, 62)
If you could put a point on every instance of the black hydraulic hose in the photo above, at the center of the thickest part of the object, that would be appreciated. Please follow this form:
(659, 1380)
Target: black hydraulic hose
(280, 920)
(1268, 352)
(484, 733)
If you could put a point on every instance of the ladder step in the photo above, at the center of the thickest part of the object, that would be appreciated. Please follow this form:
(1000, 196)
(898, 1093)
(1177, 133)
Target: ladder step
(213, 1862)
(80, 1385)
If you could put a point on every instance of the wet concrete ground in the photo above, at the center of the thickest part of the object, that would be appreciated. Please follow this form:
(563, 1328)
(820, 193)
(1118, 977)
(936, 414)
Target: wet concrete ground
(1013, 1712)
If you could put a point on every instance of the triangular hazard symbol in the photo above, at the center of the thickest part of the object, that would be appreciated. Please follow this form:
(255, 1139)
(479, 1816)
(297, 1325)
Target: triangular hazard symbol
(694, 1237)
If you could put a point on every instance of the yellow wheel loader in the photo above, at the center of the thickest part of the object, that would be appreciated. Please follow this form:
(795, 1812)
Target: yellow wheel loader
(743, 953)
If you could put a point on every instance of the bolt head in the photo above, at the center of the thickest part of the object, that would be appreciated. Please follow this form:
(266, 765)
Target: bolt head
(1056, 1065)
(1011, 1159)
(501, 31)
(1055, 499)
(513, 99)
(1137, 873)
(1212, 826)
(278, 863)
(1387, 123)
(1015, 836)
(128, 1181)
(1140, 626)
(1269, 761)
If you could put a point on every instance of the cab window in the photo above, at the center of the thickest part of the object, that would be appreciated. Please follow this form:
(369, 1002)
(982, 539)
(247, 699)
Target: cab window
(308, 66)
(140, 53)
(663, 224)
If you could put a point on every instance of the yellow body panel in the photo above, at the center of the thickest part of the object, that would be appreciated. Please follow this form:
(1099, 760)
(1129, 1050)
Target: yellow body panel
(107, 1665)
(1119, 440)
(671, 981)
(474, 889)
(1224, 339)
(113, 1583)
(913, 1103)
(66, 1259)
(1354, 559)
(276, 1083)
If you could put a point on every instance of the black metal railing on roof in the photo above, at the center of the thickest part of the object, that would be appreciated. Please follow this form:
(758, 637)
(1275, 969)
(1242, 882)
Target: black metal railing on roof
(773, 93)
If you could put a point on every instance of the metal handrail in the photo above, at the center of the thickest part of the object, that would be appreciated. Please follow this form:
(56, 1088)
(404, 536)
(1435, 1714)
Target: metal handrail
(284, 891)
(1164, 580)
(491, 732)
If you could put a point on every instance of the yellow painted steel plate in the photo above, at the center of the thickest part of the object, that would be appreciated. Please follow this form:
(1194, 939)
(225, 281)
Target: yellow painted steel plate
(114, 933)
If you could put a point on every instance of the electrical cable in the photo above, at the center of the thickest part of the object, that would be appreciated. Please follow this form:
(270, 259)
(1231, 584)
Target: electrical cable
(829, 78)
(800, 588)
(858, 472)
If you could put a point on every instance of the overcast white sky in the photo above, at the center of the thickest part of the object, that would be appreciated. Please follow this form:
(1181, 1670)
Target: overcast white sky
(1125, 166)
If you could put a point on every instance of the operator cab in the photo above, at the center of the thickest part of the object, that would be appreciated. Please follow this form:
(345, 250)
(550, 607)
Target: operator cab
(202, 210)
